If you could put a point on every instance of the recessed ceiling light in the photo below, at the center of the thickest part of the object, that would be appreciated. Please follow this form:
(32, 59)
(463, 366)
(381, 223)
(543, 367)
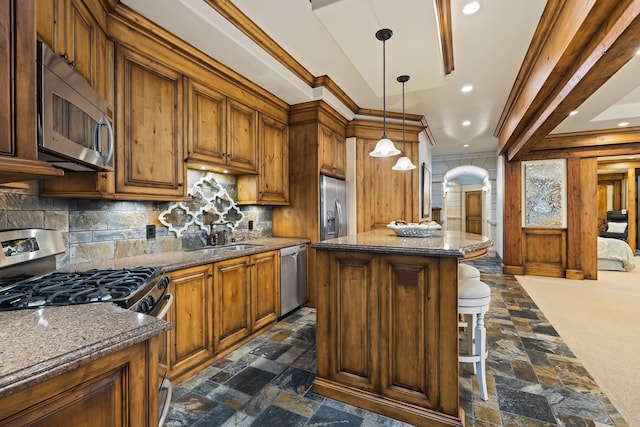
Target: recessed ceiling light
(471, 8)
(466, 123)
(623, 124)
(466, 88)
(573, 113)
(638, 52)
(466, 145)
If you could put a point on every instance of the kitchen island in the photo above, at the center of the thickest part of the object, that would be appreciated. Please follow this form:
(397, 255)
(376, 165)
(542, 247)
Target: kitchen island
(387, 331)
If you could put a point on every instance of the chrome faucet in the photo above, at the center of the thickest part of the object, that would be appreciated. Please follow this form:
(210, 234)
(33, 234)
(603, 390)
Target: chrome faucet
(218, 237)
(213, 237)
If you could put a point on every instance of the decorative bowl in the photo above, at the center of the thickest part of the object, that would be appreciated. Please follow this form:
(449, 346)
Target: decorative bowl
(413, 229)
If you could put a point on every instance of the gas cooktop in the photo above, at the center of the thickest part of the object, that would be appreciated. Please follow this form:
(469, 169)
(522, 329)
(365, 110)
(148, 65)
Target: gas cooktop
(28, 276)
(61, 288)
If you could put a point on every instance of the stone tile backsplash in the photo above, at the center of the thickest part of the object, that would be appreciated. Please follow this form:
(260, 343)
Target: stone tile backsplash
(96, 230)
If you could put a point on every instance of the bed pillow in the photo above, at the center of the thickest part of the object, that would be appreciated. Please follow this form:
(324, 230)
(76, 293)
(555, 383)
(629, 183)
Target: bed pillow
(616, 227)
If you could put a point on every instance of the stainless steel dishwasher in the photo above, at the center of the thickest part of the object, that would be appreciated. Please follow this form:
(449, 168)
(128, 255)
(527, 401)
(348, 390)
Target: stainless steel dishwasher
(293, 278)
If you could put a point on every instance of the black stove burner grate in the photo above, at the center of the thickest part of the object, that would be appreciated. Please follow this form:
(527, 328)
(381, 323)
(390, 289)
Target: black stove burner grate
(60, 288)
(6, 281)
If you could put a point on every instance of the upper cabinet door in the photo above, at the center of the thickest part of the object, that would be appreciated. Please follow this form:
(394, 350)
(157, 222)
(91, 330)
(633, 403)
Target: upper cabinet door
(18, 137)
(274, 168)
(242, 150)
(82, 41)
(76, 30)
(332, 152)
(206, 122)
(148, 127)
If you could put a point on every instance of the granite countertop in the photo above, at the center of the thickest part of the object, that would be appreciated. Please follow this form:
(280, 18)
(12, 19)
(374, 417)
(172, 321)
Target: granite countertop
(441, 243)
(41, 343)
(38, 344)
(177, 260)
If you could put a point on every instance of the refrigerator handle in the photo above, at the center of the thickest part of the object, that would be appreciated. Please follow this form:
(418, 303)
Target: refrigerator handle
(339, 218)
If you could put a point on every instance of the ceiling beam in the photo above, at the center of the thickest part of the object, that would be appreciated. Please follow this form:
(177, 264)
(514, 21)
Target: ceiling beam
(577, 47)
(625, 149)
(593, 138)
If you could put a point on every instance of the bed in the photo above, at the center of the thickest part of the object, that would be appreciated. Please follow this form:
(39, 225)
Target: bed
(614, 254)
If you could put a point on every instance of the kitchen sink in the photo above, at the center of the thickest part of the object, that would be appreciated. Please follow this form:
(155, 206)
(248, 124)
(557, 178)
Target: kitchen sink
(216, 250)
(241, 247)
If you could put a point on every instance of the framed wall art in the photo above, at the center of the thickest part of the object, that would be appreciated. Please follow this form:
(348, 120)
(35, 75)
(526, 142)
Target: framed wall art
(544, 193)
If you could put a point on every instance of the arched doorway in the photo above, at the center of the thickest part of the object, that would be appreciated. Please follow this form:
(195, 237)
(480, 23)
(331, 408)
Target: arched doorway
(466, 198)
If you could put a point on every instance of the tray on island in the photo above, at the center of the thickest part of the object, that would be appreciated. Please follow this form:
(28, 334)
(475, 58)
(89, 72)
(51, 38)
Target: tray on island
(424, 229)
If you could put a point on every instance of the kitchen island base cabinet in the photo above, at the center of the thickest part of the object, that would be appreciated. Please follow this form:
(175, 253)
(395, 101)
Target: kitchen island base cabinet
(387, 335)
(117, 390)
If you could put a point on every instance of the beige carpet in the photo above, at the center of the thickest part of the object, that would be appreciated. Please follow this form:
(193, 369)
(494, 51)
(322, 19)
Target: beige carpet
(598, 319)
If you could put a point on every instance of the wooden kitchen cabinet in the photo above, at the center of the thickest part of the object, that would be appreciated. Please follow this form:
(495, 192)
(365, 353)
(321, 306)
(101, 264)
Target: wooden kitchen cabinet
(387, 334)
(241, 136)
(76, 30)
(119, 389)
(231, 302)
(271, 185)
(149, 132)
(246, 298)
(332, 149)
(221, 131)
(189, 342)
(18, 133)
(265, 289)
(312, 127)
(207, 124)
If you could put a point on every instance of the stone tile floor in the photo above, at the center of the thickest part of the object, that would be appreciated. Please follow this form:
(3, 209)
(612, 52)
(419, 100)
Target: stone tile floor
(533, 377)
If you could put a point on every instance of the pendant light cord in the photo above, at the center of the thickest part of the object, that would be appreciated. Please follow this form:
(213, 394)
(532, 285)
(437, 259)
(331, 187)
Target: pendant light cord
(384, 98)
(404, 153)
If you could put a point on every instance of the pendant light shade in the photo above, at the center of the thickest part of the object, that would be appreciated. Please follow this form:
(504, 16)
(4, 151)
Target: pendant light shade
(384, 147)
(403, 163)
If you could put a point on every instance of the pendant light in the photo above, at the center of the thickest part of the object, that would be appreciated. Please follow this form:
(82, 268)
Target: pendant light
(404, 163)
(384, 147)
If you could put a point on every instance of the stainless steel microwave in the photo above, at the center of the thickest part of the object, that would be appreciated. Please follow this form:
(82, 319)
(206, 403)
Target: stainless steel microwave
(74, 127)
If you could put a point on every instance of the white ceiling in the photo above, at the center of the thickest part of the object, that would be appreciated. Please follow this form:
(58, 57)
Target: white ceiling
(337, 38)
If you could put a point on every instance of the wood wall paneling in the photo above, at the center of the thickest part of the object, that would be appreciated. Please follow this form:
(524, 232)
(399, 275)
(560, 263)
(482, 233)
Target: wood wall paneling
(633, 212)
(384, 195)
(545, 252)
(513, 259)
(588, 219)
(570, 252)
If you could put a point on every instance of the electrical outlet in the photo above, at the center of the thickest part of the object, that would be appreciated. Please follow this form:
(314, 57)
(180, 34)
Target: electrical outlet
(151, 231)
(250, 224)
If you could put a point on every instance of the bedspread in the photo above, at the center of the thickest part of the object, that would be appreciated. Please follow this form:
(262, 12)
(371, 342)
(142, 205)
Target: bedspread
(617, 250)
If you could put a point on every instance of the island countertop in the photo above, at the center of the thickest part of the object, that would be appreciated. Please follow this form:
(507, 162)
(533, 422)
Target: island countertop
(443, 243)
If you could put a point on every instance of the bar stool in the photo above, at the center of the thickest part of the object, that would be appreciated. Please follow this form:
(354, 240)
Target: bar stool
(465, 272)
(474, 298)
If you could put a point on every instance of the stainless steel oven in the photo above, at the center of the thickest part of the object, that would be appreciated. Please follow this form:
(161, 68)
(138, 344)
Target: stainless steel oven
(29, 279)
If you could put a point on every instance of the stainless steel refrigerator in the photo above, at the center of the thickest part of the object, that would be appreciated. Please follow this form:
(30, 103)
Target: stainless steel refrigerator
(333, 207)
